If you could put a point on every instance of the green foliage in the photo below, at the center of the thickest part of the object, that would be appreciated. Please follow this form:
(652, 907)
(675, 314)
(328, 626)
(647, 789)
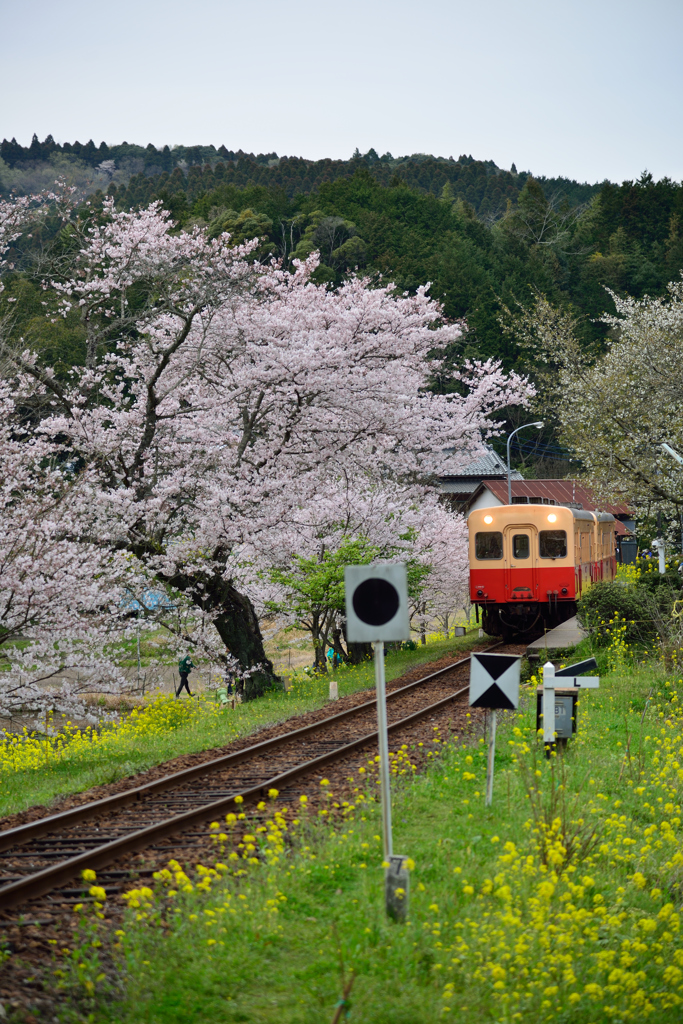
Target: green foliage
(32, 314)
(243, 226)
(314, 594)
(315, 585)
(643, 607)
(607, 599)
(666, 586)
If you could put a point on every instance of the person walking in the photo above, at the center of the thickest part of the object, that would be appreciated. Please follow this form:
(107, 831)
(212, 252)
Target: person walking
(185, 666)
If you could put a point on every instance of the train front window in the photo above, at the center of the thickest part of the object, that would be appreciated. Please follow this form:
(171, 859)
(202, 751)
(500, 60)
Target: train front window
(488, 545)
(552, 543)
(520, 545)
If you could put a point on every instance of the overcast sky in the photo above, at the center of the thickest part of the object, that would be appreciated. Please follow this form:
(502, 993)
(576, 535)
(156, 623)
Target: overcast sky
(590, 89)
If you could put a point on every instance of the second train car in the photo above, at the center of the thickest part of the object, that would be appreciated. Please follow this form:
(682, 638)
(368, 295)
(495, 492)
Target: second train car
(529, 564)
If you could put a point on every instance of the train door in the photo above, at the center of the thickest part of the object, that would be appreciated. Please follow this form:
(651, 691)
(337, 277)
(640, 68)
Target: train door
(520, 563)
(585, 532)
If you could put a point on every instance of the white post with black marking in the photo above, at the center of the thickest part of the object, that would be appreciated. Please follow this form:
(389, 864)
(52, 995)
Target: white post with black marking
(377, 611)
(494, 684)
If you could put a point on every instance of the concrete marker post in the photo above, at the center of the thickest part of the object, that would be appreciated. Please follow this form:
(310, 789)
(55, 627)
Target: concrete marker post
(548, 706)
(660, 548)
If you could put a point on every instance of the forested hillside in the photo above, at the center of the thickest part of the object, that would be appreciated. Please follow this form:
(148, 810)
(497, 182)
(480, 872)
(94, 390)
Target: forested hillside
(197, 169)
(485, 238)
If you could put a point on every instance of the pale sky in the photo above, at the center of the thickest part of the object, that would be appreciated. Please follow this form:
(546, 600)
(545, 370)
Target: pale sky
(590, 89)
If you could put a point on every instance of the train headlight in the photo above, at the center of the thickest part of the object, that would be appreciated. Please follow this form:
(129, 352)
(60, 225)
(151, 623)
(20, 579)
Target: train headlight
(488, 519)
(552, 518)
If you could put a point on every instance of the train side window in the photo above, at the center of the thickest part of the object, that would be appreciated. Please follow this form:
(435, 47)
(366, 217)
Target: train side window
(488, 545)
(552, 543)
(520, 545)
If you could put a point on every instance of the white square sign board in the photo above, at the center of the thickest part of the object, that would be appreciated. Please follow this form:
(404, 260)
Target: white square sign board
(494, 681)
(376, 603)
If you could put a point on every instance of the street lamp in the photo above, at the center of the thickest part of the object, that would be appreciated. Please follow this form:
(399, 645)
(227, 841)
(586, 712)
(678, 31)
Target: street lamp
(670, 451)
(524, 425)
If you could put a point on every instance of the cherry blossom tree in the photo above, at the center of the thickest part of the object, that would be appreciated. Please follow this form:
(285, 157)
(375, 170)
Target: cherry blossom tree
(349, 525)
(56, 617)
(220, 396)
(14, 215)
(441, 550)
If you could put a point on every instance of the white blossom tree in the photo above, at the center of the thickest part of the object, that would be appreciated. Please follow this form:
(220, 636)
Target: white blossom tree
(616, 408)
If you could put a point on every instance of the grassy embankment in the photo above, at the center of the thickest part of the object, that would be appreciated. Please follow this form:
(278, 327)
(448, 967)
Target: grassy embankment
(560, 903)
(36, 771)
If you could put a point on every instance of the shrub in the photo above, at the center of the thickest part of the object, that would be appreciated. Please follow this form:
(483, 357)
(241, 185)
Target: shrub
(607, 600)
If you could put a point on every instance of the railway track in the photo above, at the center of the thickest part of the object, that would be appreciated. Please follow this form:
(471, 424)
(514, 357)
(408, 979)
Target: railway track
(41, 857)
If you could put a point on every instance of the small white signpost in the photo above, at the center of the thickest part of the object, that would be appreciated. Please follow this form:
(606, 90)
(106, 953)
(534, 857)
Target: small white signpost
(377, 611)
(494, 684)
(569, 677)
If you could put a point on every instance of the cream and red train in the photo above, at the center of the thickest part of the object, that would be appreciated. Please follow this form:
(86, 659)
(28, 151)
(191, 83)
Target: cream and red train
(529, 564)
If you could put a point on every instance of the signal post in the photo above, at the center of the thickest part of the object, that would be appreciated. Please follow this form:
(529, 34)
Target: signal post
(376, 612)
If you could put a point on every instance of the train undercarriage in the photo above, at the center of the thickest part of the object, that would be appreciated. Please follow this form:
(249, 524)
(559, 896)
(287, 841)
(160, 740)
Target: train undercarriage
(511, 620)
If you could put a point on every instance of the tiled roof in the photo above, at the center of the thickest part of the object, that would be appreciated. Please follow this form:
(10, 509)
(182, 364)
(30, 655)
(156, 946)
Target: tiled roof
(489, 465)
(451, 486)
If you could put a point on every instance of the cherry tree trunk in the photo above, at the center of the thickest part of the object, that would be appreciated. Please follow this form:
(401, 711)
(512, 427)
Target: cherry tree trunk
(238, 627)
(239, 630)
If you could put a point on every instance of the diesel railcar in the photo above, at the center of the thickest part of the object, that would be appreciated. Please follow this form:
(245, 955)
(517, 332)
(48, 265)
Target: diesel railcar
(529, 564)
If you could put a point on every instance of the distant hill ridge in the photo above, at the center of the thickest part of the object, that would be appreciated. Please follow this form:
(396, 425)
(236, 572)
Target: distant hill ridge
(139, 172)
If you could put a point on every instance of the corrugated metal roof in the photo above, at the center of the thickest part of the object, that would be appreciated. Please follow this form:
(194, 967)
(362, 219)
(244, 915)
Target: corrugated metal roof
(621, 530)
(560, 490)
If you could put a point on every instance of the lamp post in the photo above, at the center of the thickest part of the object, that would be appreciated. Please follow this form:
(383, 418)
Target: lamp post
(524, 425)
(674, 455)
(669, 450)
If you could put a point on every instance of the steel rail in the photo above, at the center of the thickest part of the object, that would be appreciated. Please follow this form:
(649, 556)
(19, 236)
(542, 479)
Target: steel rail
(49, 878)
(21, 834)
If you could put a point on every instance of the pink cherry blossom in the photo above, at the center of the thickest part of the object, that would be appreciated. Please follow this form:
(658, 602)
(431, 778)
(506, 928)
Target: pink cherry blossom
(224, 405)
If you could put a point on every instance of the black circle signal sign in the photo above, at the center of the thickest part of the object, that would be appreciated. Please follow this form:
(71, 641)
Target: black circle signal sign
(376, 598)
(375, 601)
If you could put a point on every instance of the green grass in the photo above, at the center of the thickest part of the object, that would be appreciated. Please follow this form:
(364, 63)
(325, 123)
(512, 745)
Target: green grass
(89, 766)
(557, 904)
